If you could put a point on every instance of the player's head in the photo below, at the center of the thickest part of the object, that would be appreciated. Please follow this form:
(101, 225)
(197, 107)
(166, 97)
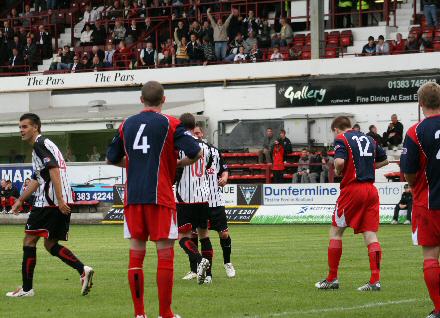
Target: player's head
(198, 132)
(429, 97)
(30, 127)
(188, 121)
(152, 94)
(340, 124)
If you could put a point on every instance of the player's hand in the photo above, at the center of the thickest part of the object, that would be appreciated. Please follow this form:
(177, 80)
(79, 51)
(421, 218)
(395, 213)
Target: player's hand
(208, 11)
(222, 182)
(64, 208)
(337, 173)
(16, 207)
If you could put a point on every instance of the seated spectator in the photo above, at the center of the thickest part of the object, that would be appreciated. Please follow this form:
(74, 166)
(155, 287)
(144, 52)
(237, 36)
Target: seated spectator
(23, 35)
(315, 168)
(276, 56)
(369, 48)
(264, 154)
(56, 60)
(264, 34)
(76, 66)
(327, 166)
(279, 156)
(234, 47)
(295, 53)
(240, 57)
(85, 65)
(16, 44)
(181, 52)
(16, 62)
(95, 155)
(122, 57)
(86, 35)
(10, 194)
(425, 43)
(356, 127)
(208, 51)
(169, 52)
(394, 135)
(66, 59)
(405, 203)
(412, 45)
(108, 55)
(15, 19)
(30, 54)
(114, 12)
(372, 132)
(220, 34)
(26, 16)
(398, 46)
(302, 174)
(285, 36)
(194, 50)
(250, 42)
(118, 33)
(250, 24)
(255, 54)
(44, 42)
(382, 47)
(96, 51)
(148, 56)
(70, 156)
(132, 32)
(90, 15)
(99, 34)
(27, 205)
(97, 64)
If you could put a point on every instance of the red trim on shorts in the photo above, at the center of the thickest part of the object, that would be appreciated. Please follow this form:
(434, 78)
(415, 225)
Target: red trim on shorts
(40, 233)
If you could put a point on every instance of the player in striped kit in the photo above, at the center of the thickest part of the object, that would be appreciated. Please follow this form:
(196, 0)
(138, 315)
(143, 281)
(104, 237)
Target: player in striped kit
(217, 178)
(50, 214)
(192, 195)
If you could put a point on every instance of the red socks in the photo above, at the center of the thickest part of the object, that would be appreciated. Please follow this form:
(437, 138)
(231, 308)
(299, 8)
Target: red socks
(334, 256)
(165, 278)
(431, 271)
(136, 280)
(375, 255)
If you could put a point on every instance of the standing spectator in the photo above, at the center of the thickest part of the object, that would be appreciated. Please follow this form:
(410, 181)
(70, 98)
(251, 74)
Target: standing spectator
(278, 159)
(23, 35)
(234, 47)
(115, 11)
(302, 174)
(264, 34)
(196, 29)
(148, 56)
(90, 15)
(30, 54)
(119, 31)
(369, 48)
(382, 47)
(315, 168)
(108, 56)
(343, 8)
(15, 19)
(250, 24)
(430, 12)
(250, 42)
(86, 35)
(8, 31)
(147, 30)
(194, 50)
(255, 54)
(286, 142)
(181, 52)
(398, 45)
(16, 62)
(207, 31)
(40, 5)
(235, 25)
(26, 16)
(276, 56)
(44, 42)
(76, 66)
(182, 30)
(405, 203)
(132, 32)
(285, 36)
(16, 44)
(95, 155)
(412, 45)
(177, 7)
(240, 57)
(394, 135)
(66, 59)
(208, 51)
(327, 166)
(99, 34)
(267, 145)
(220, 35)
(372, 132)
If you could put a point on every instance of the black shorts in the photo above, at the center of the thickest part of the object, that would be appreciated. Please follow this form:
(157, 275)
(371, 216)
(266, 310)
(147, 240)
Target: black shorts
(48, 223)
(194, 214)
(217, 219)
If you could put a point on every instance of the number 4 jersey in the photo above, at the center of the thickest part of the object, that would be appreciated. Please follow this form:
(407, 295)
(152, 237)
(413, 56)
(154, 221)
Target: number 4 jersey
(360, 153)
(421, 155)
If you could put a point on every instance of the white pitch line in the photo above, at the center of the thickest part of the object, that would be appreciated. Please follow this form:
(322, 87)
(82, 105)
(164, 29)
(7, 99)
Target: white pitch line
(338, 309)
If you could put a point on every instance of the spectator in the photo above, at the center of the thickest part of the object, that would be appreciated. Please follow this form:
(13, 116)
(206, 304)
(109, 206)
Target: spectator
(30, 54)
(250, 42)
(132, 32)
(382, 47)
(169, 52)
(287, 145)
(295, 53)
(122, 56)
(148, 32)
(177, 7)
(315, 168)
(108, 56)
(44, 42)
(86, 35)
(70, 157)
(208, 51)
(276, 56)
(398, 46)
(430, 12)
(343, 8)
(207, 31)
(264, 154)
(40, 5)
(393, 137)
(194, 50)
(148, 56)
(250, 24)
(264, 34)
(181, 52)
(118, 33)
(405, 203)
(126, 9)
(26, 16)
(76, 66)
(302, 174)
(66, 59)
(143, 8)
(220, 35)
(369, 48)
(255, 54)
(10, 194)
(278, 154)
(97, 64)
(8, 31)
(234, 47)
(412, 45)
(85, 65)
(96, 51)
(2, 195)
(99, 34)
(16, 62)
(240, 57)
(195, 29)
(115, 11)
(425, 43)
(95, 155)
(27, 205)
(90, 15)
(23, 35)
(327, 166)
(372, 132)
(16, 44)
(285, 36)
(15, 19)
(356, 127)
(182, 31)
(56, 60)
(235, 25)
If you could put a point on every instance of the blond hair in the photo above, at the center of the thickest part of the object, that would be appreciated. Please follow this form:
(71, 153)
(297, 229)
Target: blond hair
(429, 95)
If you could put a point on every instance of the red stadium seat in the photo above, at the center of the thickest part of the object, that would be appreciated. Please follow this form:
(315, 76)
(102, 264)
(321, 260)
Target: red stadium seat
(331, 53)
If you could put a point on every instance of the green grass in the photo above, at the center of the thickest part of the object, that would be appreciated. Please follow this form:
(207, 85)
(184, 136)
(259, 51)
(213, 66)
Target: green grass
(277, 267)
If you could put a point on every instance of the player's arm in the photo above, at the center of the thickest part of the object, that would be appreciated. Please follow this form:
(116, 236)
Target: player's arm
(339, 166)
(115, 151)
(56, 181)
(341, 155)
(183, 140)
(409, 160)
(187, 161)
(32, 187)
(224, 173)
(381, 157)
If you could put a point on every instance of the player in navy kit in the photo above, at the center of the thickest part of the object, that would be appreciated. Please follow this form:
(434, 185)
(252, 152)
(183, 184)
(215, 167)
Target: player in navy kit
(146, 145)
(356, 158)
(420, 163)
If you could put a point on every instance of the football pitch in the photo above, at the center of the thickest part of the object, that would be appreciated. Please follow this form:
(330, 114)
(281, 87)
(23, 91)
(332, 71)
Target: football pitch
(277, 267)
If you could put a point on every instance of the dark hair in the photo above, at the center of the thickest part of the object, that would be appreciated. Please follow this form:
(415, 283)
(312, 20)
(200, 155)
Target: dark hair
(341, 122)
(371, 127)
(188, 121)
(34, 118)
(381, 37)
(370, 38)
(356, 126)
(282, 131)
(269, 128)
(152, 93)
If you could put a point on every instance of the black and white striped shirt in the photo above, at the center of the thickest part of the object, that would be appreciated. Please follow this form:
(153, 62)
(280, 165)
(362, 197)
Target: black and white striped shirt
(46, 155)
(217, 168)
(192, 181)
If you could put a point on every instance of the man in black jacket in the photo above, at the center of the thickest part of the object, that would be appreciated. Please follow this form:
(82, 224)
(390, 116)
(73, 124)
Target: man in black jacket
(99, 34)
(194, 50)
(30, 54)
(405, 203)
(372, 132)
(394, 135)
(315, 168)
(16, 62)
(44, 42)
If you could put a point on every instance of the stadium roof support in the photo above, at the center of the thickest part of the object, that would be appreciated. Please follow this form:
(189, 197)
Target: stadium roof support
(317, 27)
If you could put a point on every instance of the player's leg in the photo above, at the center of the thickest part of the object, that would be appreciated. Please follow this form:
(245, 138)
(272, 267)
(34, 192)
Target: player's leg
(431, 273)
(136, 276)
(165, 276)
(226, 244)
(375, 258)
(206, 250)
(192, 264)
(202, 220)
(396, 214)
